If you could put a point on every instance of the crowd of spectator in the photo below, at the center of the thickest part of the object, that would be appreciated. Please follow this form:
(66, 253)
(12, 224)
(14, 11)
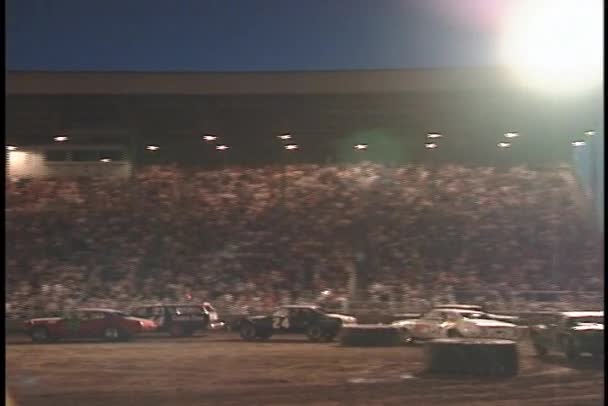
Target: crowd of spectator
(252, 238)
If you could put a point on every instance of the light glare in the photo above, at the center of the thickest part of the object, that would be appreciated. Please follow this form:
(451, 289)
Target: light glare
(504, 144)
(11, 148)
(433, 135)
(61, 138)
(430, 145)
(578, 143)
(511, 135)
(152, 147)
(555, 45)
(361, 146)
(291, 147)
(221, 147)
(209, 137)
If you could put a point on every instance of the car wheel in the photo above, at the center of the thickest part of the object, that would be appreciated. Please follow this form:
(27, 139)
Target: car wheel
(571, 350)
(329, 337)
(454, 333)
(247, 332)
(406, 337)
(111, 334)
(540, 350)
(40, 335)
(314, 333)
(176, 330)
(263, 337)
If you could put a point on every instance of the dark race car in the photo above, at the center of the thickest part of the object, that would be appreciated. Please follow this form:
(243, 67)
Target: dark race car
(106, 324)
(310, 320)
(181, 320)
(570, 333)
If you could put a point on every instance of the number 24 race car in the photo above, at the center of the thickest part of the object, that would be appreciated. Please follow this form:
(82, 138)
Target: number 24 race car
(310, 320)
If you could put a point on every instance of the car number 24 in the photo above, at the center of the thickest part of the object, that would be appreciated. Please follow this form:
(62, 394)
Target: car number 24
(280, 323)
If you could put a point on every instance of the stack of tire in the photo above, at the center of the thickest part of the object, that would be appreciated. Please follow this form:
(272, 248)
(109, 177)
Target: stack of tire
(369, 335)
(477, 357)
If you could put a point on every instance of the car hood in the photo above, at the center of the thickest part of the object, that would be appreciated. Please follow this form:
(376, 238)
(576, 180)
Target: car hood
(343, 317)
(45, 320)
(257, 317)
(489, 323)
(144, 321)
(502, 317)
(589, 327)
(404, 322)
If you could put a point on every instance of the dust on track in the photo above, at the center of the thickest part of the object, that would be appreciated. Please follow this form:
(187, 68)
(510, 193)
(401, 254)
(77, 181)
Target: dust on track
(220, 369)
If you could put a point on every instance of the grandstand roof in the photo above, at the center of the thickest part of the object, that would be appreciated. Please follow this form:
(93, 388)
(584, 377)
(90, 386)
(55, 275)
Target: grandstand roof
(214, 83)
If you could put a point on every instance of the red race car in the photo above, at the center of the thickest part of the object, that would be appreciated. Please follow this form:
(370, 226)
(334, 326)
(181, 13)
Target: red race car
(106, 324)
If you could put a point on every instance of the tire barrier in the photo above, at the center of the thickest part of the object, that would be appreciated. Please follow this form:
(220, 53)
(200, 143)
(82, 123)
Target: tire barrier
(366, 335)
(467, 356)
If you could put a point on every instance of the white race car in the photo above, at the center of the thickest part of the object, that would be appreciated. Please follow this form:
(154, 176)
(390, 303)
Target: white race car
(440, 323)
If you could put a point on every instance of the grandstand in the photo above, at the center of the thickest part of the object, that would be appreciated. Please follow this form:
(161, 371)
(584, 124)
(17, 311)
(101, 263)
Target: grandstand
(466, 221)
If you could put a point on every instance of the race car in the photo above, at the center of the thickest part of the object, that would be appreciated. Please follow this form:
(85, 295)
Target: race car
(181, 320)
(310, 320)
(501, 317)
(570, 333)
(106, 324)
(439, 323)
(478, 308)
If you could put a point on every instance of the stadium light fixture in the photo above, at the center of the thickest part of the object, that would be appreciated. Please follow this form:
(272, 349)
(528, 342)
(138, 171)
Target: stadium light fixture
(61, 138)
(555, 46)
(11, 148)
(504, 144)
(430, 145)
(284, 137)
(361, 147)
(291, 147)
(209, 137)
(222, 147)
(433, 135)
(105, 160)
(578, 143)
(152, 147)
(511, 135)
(590, 133)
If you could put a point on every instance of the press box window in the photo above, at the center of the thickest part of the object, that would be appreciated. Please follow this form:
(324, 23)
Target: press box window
(56, 156)
(113, 155)
(85, 156)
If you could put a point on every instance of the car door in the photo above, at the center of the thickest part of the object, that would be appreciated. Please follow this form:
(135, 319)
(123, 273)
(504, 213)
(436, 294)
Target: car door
(280, 321)
(92, 324)
(429, 325)
(70, 325)
(299, 320)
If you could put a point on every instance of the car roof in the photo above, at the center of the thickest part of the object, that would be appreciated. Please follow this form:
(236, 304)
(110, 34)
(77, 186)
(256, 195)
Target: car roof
(94, 309)
(299, 307)
(458, 306)
(462, 311)
(583, 314)
(174, 305)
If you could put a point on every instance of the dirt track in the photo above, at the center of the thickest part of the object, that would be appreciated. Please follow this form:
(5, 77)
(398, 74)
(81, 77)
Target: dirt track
(220, 369)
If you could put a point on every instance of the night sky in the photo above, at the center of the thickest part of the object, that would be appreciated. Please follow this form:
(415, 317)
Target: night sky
(250, 35)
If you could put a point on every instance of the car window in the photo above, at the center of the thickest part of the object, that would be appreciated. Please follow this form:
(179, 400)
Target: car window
(187, 310)
(434, 315)
(96, 315)
(280, 313)
(452, 316)
(141, 312)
